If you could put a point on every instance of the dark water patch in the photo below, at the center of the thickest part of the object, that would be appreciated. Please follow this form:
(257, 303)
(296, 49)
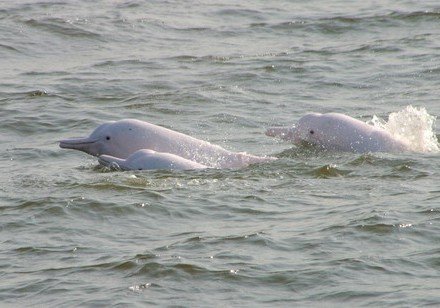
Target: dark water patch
(329, 171)
(45, 73)
(332, 26)
(300, 279)
(252, 211)
(416, 40)
(9, 48)
(133, 100)
(131, 4)
(190, 236)
(86, 267)
(337, 25)
(353, 297)
(416, 16)
(33, 6)
(28, 125)
(259, 25)
(430, 212)
(434, 71)
(230, 59)
(378, 165)
(379, 228)
(380, 47)
(305, 150)
(407, 170)
(364, 159)
(233, 119)
(209, 243)
(76, 126)
(334, 84)
(101, 211)
(279, 67)
(186, 58)
(383, 160)
(270, 68)
(182, 271)
(26, 94)
(355, 264)
(204, 59)
(429, 258)
(258, 239)
(158, 270)
(129, 64)
(289, 280)
(240, 12)
(41, 251)
(196, 30)
(405, 265)
(228, 256)
(390, 166)
(36, 286)
(148, 188)
(144, 257)
(35, 154)
(38, 203)
(124, 266)
(160, 93)
(31, 213)
(155, 107)
(402, 168)
(29, 97)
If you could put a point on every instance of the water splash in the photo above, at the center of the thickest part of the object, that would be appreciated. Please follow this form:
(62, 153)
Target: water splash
(413, 125)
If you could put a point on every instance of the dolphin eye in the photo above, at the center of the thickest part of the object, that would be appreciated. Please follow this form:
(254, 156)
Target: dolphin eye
(107, 138)
(312, 132)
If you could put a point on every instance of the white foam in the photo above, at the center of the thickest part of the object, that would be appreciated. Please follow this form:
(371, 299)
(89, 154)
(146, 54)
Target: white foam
(413, 125)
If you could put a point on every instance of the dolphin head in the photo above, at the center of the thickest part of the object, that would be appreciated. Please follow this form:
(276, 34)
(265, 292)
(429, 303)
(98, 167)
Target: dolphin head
(118, 139)
(112, 162)
(140, 160)
(95, 144)
(310, 129)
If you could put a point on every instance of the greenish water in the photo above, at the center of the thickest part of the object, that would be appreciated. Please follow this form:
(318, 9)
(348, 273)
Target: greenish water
(310, 229)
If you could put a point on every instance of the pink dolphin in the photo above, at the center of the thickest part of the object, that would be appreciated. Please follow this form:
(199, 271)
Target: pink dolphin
(339, 132)
(122, 138)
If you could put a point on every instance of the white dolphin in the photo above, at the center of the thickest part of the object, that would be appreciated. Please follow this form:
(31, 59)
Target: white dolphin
(339, 132)
(122, 138)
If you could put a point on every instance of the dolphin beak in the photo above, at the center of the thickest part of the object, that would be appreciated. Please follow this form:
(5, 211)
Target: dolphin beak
(111, 162)
(297, 139)
(80, 144)
(284, 133)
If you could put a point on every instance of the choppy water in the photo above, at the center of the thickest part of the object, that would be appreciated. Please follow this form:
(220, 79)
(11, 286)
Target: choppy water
(310, 229)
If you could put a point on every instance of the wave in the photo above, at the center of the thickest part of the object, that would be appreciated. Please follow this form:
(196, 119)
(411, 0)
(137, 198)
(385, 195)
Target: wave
(347, 22)
(413, 125)
(61, 26)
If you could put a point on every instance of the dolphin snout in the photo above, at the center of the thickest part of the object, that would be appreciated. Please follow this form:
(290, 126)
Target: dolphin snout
(75, 143)
(87, 145)
(284, 133)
